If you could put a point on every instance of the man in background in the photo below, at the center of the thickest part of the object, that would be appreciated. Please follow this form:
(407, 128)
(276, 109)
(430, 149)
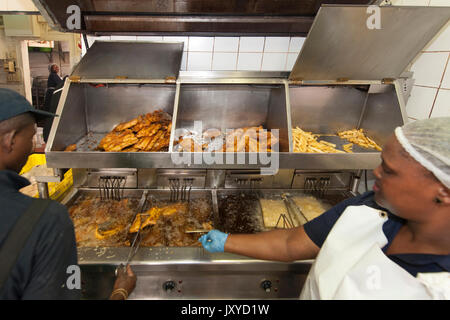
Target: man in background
(53, 81)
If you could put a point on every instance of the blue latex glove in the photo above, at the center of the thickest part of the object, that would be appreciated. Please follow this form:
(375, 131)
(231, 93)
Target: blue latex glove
(214, 241)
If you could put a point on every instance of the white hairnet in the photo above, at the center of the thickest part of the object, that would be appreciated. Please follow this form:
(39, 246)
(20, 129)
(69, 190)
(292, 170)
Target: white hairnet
(428, 142)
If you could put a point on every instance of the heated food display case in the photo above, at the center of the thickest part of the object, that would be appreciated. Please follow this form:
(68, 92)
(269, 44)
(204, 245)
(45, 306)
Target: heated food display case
(345, 78)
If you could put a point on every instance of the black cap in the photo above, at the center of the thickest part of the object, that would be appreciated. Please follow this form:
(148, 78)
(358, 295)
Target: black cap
(13, 104)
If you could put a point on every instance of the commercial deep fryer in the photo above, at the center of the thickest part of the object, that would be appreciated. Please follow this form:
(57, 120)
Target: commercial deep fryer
(345, 77)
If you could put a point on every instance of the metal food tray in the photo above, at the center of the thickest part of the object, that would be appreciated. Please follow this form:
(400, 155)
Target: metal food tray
(166, 197)
(153, 197)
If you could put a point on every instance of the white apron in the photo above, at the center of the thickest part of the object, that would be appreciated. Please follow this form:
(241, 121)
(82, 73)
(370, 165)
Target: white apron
(351, 264)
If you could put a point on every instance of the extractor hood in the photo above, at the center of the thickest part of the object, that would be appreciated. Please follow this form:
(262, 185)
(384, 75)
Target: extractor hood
(186, 17)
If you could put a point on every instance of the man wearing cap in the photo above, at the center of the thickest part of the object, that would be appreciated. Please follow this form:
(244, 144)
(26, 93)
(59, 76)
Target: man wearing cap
(38, 255)
(37, 240)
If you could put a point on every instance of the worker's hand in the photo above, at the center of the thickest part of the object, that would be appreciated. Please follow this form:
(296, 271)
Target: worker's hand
(125, 283)
(214, 241)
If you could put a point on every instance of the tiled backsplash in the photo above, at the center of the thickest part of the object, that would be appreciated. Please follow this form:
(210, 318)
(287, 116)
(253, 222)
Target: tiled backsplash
(230, 53)
(430, 95)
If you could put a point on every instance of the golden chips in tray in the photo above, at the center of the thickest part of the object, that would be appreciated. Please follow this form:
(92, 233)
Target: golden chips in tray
(149, 132)
(308, 142)
(358, 137)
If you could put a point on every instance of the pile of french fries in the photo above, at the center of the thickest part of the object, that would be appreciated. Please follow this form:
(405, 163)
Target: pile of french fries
(309, 142)
(358, 137)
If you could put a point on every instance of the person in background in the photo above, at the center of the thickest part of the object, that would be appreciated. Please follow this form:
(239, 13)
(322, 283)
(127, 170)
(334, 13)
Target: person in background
(53, 105)
(37, 238)
(389, 243)
(53, 81)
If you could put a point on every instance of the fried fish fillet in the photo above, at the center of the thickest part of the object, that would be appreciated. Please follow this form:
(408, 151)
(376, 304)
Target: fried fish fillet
(71, 148)
(145, 219)
(142, 123)
(123, 140)
(126, 125)
(163, 142)
(155, 138)
(143, 143)
(149, 131)
(108, 139)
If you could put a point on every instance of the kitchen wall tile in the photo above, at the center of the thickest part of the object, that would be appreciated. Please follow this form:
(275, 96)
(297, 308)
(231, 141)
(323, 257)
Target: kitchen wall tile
(91, 39)
(226, 44)
(291, 59)
(440, 3)
(183, 66)
(224, 61)
(123, 38)
(148, 38)
(420, 102)
(441, 107)
(296, 44)
(178, 39)
(276, 44)
(446, 80)
(249, 61)
(441, 41)
(251, 44)
(415, 2)
(429, 68)
(199, 61)
(201, 43)
(274, 61)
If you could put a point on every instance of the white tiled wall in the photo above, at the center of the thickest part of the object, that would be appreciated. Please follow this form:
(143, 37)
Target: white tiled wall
(430, 96)
(230, 53)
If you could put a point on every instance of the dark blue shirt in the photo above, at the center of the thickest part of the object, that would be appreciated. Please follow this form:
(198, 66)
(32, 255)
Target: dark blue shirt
(53, 80)
(318, 230)
(41, 268)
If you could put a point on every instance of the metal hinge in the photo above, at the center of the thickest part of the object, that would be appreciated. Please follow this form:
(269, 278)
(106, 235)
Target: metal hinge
(296, 82)
(75, 78)
(387, 80)
(170, 80)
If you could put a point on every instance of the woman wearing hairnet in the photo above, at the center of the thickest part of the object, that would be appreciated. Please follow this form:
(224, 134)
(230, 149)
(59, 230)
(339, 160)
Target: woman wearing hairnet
(390, 243)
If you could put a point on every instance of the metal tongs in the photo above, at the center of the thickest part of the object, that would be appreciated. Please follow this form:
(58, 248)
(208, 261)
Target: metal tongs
(137, 238)
(285, 218)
